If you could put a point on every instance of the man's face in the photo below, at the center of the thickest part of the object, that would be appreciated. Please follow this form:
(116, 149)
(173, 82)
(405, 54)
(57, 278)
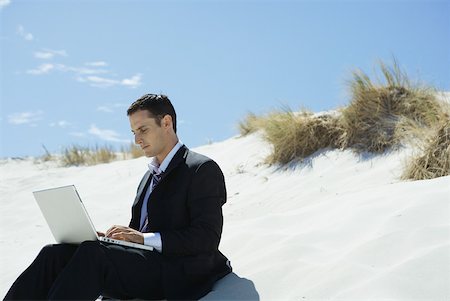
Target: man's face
(147, 133)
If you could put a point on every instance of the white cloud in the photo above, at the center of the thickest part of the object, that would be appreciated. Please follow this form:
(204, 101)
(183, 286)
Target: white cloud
(82, 70)
(132, 82)
(49, 54)
(46, 68)
(104, 109)
(25, 118)
(42, 69)
(87, 74)
(61, 123)
(103, 82)
(43, 55)
(107, 135)
(4, 3)
(26, 35)
(96, 64)
(97, 81)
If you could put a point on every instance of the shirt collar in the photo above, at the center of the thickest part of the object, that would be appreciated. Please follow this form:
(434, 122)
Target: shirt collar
(158, 169)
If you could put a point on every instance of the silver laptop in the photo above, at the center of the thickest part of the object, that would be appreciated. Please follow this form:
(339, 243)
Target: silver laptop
(68, 219)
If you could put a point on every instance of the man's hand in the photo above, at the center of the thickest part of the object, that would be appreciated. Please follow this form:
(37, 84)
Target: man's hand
(125, 233)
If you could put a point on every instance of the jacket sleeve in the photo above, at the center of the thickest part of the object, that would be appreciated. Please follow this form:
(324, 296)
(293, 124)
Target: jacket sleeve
(205, 197)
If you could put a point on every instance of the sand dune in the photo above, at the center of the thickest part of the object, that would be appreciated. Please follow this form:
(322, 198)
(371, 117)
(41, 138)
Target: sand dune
(339, 226)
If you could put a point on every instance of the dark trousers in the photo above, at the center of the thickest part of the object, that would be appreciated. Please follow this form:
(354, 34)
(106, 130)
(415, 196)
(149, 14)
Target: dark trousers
(85, 271)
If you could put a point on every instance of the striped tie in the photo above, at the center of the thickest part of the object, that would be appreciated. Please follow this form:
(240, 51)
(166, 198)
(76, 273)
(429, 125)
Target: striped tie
(156, 177)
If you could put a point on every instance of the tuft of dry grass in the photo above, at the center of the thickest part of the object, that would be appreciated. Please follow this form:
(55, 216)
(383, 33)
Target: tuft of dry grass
(104, 154)
(434, 160)
(250, 124)
(299, 135)
(379, 114)
(74, 155)
(47, 157)
(133, 151)
(78, 155)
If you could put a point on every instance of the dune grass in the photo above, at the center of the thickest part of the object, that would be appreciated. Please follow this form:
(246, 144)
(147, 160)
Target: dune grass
(250, 124)
(382, 115)
(76, 155)
(434, 158)
(133, 151)
(379, 114)
(299, 135)
(80, 155)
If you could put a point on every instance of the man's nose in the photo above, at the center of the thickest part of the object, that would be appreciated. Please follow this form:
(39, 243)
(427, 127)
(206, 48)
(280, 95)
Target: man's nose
(137, 139)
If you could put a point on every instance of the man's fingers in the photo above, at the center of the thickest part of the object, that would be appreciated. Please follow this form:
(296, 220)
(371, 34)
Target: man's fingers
(109, 232)
(121, 234)
(132, 236)
(125, 233)
(114, 229)
(117, 235)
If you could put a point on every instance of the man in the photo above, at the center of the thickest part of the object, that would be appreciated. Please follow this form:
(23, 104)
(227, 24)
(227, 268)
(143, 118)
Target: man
(177, 210)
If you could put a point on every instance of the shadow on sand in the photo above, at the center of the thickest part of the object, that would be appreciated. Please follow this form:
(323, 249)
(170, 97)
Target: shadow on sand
(233, 287)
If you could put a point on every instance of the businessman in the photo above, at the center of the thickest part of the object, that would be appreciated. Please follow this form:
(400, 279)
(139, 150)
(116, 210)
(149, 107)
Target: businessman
(177, 210)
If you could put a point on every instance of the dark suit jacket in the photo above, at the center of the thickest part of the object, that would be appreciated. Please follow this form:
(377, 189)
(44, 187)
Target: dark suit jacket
(186, 208)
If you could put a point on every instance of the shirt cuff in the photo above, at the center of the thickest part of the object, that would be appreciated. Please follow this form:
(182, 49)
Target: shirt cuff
(153, 240)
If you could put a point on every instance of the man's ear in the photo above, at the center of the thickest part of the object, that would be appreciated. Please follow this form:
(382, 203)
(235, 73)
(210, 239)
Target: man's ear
(167, 121)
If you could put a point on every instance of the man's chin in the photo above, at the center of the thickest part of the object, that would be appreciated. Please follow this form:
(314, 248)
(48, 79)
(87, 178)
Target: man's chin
(148, 154)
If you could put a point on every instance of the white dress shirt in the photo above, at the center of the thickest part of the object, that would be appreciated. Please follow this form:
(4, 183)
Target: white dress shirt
(154, 239)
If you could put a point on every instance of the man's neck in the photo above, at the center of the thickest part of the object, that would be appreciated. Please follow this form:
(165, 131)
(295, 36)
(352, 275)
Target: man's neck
(170, 146)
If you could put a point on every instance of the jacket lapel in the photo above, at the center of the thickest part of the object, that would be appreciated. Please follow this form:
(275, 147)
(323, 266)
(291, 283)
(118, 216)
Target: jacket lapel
(176, 160)
(144, 183)
(179, 157)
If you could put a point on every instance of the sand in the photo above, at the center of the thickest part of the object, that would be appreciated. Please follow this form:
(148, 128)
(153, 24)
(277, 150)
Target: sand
(338, 226)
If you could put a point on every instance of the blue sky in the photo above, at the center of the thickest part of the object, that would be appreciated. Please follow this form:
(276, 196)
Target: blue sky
(69, 69)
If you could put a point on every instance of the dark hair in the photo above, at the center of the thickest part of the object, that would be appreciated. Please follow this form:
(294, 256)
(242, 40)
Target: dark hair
(157, 105)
